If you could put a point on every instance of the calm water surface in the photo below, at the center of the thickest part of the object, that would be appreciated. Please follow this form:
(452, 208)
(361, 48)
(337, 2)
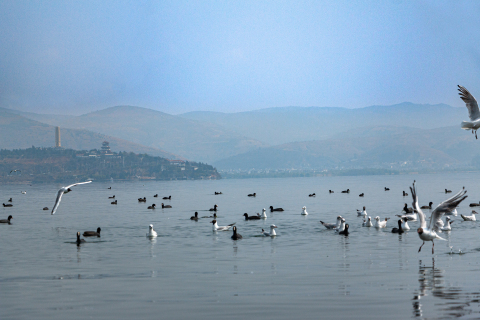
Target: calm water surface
(190, 272)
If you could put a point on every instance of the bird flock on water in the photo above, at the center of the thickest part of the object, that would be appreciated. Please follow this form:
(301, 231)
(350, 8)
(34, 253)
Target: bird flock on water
(426, 232)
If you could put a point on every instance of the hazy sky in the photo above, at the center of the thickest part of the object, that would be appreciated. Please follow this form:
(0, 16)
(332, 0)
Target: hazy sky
(74, 57)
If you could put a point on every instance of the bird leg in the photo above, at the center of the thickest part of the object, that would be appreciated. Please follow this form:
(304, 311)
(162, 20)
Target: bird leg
(421, 246)
(476, 134)
(433, 245)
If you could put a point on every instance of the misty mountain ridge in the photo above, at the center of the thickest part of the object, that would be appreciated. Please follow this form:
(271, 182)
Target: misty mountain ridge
(280, 125)
(395, 148)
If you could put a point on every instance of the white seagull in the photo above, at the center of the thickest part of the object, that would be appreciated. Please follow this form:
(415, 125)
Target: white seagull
(430, 233)
(473, 111)
(362, 213)
(448, 227)
(151, 233)
(409, 216)
(264, 215)
(62, 191)
(405, 225)
(470, 218)
(272, 232)
(223, 228)
(380, 224)
(304, 211)
(367, 222)
(342, 226)
(333, 225)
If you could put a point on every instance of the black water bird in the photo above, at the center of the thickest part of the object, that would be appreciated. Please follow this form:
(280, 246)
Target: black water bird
(427, 207)
(152, 206)
(236, 236)
(113, 202)
(399, 229)
(79, 240)
(6, 220)
(92, 233)
(167, 198)
(166, 206)
(195, 217)
(252, 194)
(247, 217)
(275, 209)
(345, 231)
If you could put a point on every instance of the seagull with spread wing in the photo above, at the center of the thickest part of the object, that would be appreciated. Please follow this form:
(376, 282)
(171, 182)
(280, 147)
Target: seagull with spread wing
(473, 111)
(62, 191)
(430, 233)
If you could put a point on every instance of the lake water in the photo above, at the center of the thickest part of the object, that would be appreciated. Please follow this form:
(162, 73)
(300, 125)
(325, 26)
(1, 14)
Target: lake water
(190, 272)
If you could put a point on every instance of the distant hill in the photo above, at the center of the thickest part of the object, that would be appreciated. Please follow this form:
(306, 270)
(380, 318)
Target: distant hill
(289, 124)
(194, 140)
(17, 132)
(378, 147)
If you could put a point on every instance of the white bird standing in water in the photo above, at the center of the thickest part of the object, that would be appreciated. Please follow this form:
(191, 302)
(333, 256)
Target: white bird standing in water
(367, 222)
(62, 191)
(448, 227)
(333, 225)
(264, 215)
(380, 224)
(470, 218)
(222, 228)
(428, 233)
(405, 225)
(304, 211)
(151, 233)
(272, 232)
(342, 226)
(361, 213)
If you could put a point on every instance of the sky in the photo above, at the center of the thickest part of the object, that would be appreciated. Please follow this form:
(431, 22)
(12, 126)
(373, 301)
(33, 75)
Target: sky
(74, 57)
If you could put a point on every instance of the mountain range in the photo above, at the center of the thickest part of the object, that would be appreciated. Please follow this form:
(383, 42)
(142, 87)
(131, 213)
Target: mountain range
(405, 134)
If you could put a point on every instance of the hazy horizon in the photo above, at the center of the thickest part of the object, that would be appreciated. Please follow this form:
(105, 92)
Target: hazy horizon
(180, 56)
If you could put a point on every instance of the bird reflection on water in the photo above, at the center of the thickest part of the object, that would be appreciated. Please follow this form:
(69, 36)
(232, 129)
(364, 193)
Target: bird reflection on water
(458, 303)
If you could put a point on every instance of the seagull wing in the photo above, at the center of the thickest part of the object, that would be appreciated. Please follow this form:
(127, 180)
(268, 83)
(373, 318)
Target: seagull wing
(59, 198)
(76, 184)
(446, 206)
(470, 102)
(421, 215)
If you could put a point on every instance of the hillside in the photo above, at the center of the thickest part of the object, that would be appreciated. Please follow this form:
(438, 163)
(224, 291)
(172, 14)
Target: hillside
(190, 139)
(56, 164)
(17, 132)
(379, 147)
(289, 124)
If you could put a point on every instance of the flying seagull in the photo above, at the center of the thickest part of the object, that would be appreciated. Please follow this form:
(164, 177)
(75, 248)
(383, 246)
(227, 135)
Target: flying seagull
(62, 191)
(15, 171)
(473, 111)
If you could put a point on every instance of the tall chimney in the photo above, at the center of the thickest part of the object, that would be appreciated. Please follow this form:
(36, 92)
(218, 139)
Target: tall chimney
(57, 138)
